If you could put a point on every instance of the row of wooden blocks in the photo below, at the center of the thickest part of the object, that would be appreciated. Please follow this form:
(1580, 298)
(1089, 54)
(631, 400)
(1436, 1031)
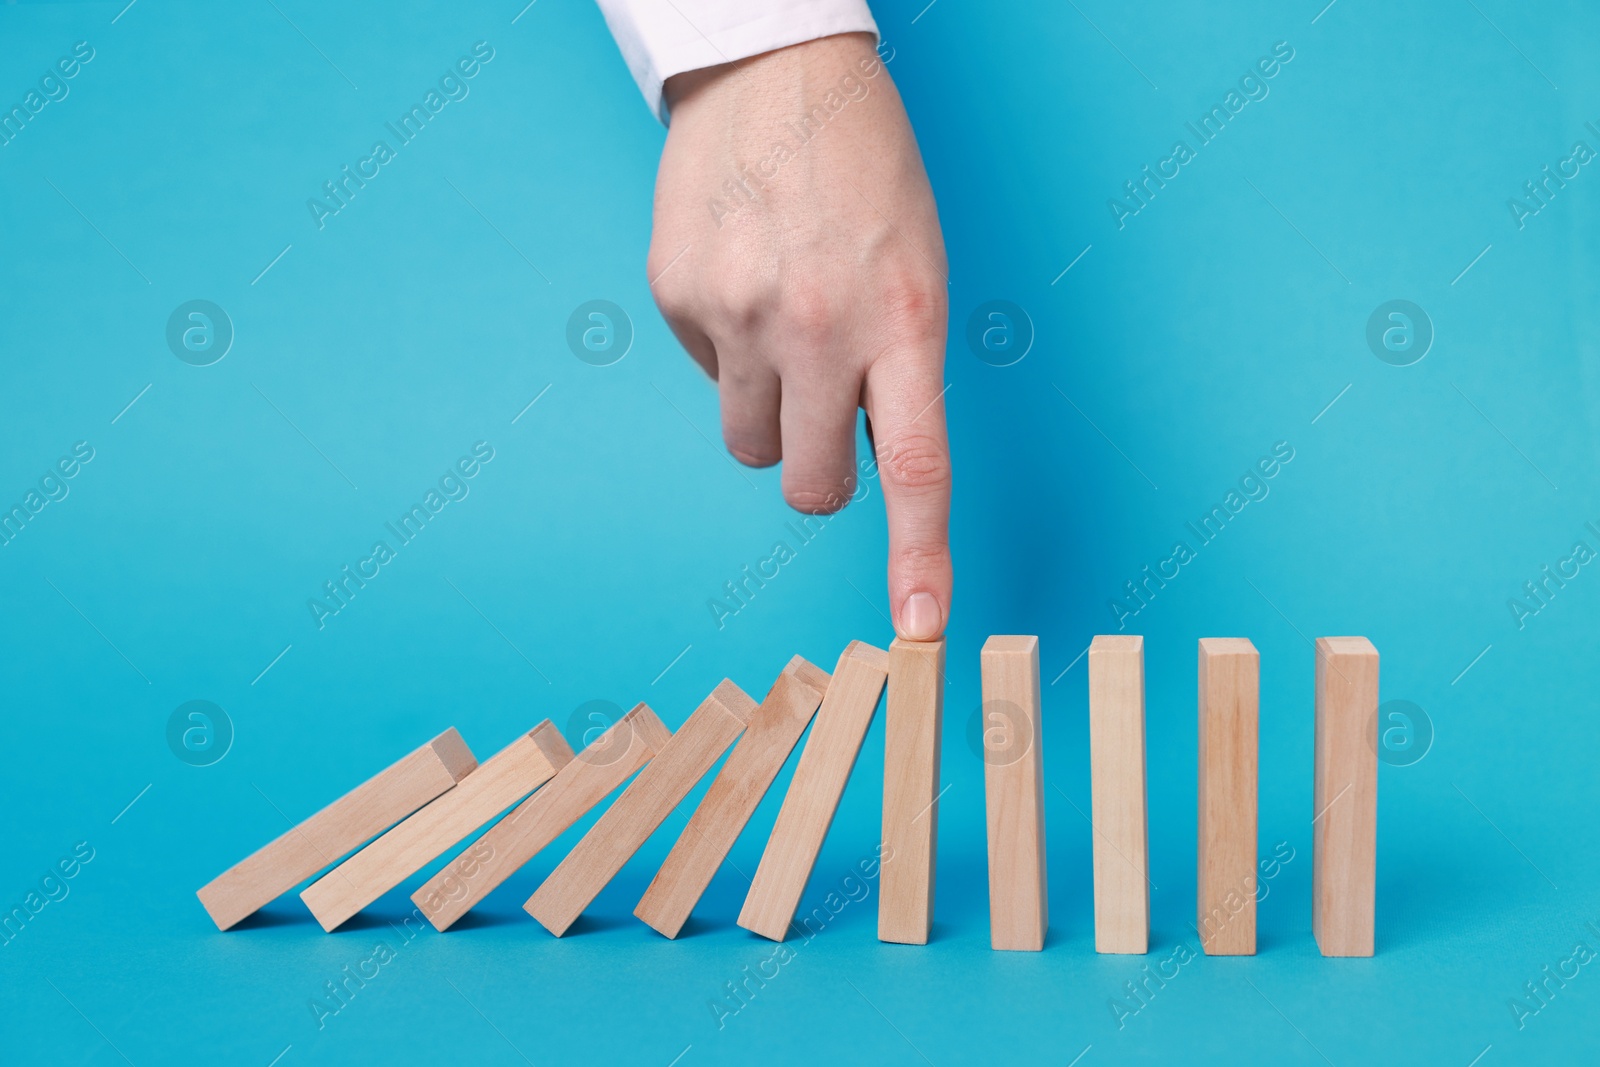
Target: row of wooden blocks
(433, 799)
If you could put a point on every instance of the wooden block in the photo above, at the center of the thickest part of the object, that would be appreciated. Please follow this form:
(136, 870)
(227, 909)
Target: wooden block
(819, 780)
(1116, 774)
(1230, 672)
(642, 807)
(338, 829)
(508, 776)
(508, 844)
(911, 725)
(754, 762)
(1345, 839)
(1013, 783)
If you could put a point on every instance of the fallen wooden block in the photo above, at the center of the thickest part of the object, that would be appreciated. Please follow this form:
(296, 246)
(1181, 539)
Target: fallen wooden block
(911, 726)
(819, 781)
(1345, 838)
(1230, 669)
(510, 774)
(1117, 787)
(771, 735)
(626, 746)
(641, 808)
(1013, 783)
(338, 829)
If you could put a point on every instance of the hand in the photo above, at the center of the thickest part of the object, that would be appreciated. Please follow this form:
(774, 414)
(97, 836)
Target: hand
(796, 253)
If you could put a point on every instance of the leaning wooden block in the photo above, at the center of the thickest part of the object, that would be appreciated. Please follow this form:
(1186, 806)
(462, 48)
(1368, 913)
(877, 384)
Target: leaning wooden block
(509, 775)
(513, 841)
(1345, 838)
(1230, 669)
(911, 724)
(819, 780)
(1116, 773)
(338, 829)
(1013, 782)
(750, 768)
(642, 807)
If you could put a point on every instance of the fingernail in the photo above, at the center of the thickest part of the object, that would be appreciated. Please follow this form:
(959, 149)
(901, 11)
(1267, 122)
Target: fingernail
(920, 617)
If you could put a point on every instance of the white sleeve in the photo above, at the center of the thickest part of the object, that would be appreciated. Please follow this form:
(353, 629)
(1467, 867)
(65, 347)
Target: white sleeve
(660, 38)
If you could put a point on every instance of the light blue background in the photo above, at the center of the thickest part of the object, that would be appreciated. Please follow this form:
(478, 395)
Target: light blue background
(1223, 318)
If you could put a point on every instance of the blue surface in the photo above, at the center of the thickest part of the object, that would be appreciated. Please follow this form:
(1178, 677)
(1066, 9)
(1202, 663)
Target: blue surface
(1222, 318)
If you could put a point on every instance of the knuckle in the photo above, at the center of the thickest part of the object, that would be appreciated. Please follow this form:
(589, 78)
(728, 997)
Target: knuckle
(675, 301)
(921, 558)
(809, 315)
(912, 307)
(816, 499)
(915, 462)
(750, 444)
(753, 455)
(741, 301)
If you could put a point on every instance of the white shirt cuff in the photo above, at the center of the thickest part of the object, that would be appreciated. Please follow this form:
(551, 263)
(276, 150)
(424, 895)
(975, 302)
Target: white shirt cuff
(660, 38)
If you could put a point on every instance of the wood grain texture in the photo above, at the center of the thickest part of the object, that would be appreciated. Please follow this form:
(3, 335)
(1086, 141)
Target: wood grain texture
(1117, 788)
(773, 731)
(1345, 839)
(338, 829)
(819, 780)
(1013, 784)
(591, 776)
(1230, 671)
(506, 777)
(641, 808)
(912, 721)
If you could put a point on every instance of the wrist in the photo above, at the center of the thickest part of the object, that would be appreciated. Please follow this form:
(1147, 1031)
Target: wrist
(841, 62)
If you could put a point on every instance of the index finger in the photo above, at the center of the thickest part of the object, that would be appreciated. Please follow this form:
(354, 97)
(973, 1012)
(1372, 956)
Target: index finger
(904, 398)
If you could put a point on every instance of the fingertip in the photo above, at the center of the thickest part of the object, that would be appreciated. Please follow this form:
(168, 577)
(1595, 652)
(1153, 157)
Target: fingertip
(921, 618)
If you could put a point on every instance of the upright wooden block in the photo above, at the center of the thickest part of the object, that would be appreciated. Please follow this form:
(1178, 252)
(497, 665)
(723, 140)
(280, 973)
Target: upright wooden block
(819, 781)
(911, 727)
(338, 829)
(510, 774)
(1230, 669)
(1116, 773)
(642, 807)
(1013, 784)
(750, 768)
(1345, 840)
(513, 841)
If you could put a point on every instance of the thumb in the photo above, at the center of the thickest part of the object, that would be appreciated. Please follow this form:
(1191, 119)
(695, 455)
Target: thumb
(904, 398)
